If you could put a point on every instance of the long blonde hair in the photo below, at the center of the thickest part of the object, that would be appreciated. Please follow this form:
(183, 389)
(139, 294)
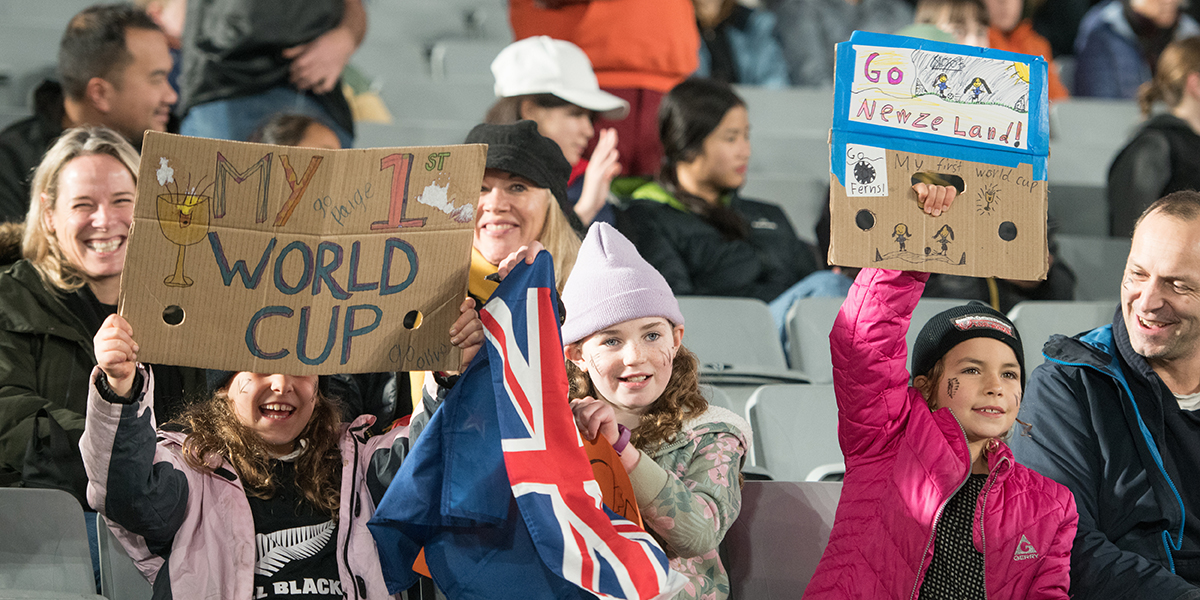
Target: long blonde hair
(39, 245)
(560, 240)
(1179, 60)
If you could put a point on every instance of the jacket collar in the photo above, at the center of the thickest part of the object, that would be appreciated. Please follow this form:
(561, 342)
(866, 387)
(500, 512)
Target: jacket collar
(20, 287)
(654, 192)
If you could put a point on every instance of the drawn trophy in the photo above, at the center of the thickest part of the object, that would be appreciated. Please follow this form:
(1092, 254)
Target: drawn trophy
(183, 219)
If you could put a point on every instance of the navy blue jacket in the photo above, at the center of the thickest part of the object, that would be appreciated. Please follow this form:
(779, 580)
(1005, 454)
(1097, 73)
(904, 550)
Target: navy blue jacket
(1096, 409)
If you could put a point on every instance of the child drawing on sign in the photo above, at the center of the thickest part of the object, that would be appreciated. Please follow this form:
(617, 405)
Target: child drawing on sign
(942, 85)
(988, 196)
(634, 383)
(934, 504)
(944, 236)
(260, 491)
(901, 234)
(976, 88)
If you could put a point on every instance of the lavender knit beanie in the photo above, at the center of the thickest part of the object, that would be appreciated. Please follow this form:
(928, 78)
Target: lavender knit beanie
(611, 283)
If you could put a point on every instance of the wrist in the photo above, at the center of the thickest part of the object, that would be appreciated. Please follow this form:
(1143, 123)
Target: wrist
(623, 435)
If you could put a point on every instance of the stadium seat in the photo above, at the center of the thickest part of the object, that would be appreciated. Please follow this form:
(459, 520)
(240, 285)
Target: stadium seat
(1098, 262)
(1037, 320)
(795, 430)
(810, 320)
(44, 542)
(772, 550)
(119, 578)
(735, 340)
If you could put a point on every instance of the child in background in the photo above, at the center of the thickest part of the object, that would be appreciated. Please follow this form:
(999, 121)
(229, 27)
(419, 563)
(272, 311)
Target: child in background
(933, 504)
(958, 21)
(1009, 31)
(634, 383)
(258, 492)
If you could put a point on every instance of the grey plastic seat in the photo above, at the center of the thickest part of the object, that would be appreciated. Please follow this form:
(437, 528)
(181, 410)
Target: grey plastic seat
(810, 320)
(43, 542)
(119, 577)
(735, 340)
(772, 550)
(1037, 320)
(1098, 262)
(795, 430)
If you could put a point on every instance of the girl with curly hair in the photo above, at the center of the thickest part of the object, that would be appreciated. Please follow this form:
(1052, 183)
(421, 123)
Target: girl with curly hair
(258, 491)
(634, 383)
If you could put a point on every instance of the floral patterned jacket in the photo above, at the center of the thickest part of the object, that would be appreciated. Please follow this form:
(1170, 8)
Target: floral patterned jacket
(690, 495)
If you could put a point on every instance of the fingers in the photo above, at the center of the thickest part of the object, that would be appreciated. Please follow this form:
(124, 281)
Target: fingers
(595, 417)
(524, 253)
(934, 199)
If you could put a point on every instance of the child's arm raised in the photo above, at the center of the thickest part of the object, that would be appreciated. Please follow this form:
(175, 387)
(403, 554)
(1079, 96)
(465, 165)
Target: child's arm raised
(119, 444)
(869, 351)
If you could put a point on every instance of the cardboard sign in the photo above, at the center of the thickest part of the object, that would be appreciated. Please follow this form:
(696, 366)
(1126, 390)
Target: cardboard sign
(908, 110)
(276, 259)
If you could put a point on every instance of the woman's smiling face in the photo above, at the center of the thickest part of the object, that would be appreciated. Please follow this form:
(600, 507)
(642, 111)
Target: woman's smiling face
(92, 214)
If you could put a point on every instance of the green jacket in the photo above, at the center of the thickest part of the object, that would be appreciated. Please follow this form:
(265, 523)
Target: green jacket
(46, 357)
(689, 495)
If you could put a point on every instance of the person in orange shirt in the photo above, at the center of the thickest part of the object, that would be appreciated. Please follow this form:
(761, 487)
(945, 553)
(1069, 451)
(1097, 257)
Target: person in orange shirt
(639, 49)
(1011, 32)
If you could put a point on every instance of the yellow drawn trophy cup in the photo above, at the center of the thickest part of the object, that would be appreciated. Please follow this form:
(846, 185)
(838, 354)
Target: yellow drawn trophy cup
(183, 219)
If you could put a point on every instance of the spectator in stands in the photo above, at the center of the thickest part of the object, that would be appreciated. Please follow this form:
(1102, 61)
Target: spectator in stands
(169, 15)
(933, 505)
(290, 129)
(738, 44)
(808, 30)
(113, 63)
(1059, 22)
(244, 60)
(1119, 43)
(551, 83)
(1164, 156)
(639, 51)
(1010, 31)
(632, 382)
(259, 487)
(1116, 417)
(965, 21)
(690, 222)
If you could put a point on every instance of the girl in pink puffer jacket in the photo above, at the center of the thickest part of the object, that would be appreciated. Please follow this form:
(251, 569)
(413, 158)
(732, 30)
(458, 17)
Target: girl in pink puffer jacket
(933, 504)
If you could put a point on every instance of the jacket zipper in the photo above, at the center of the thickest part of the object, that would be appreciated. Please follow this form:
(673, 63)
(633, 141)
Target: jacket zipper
(983, 532)
(354, 581)
(938, 515)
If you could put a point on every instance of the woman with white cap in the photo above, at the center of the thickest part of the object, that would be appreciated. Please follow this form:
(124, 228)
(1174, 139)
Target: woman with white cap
(551, 82)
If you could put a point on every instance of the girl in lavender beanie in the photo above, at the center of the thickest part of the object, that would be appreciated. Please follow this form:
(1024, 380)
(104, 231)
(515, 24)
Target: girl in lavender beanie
(634, 383)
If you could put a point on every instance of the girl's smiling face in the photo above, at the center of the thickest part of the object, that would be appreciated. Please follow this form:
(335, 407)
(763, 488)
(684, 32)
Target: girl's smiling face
(276, 407)
(629, 363)
(981, 385)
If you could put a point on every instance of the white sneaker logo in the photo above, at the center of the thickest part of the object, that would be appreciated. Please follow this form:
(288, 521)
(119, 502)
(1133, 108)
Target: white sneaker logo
(1025, 550)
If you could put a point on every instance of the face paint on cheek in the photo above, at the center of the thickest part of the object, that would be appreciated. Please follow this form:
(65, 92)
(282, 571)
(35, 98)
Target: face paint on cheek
(244, 385)
(595, 367)
(951, 387)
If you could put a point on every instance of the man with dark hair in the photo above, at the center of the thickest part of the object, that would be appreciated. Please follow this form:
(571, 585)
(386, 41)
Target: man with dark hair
(113, 63)
(1116, 418)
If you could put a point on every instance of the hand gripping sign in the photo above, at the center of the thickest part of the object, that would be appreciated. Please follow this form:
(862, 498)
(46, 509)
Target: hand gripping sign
(908, 111)
(295, 260)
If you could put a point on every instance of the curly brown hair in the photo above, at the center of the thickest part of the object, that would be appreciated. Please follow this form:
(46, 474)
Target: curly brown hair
(680, 400)
(214, 430)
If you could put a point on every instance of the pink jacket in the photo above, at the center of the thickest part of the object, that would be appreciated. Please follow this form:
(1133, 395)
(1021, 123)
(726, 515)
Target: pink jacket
(136, 484)
(903, 463)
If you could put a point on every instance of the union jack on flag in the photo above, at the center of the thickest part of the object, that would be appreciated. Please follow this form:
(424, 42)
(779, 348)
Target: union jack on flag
(546, 533)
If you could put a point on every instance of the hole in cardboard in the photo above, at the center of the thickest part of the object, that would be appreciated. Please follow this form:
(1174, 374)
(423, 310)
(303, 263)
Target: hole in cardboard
(1008, 231)
(172, 315)
(940, 179)
(413, 319)
(865, 219)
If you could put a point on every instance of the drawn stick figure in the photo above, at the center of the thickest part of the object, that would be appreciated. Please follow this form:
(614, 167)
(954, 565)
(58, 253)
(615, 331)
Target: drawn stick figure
(944, 236)
(901, 234)
(976, 88)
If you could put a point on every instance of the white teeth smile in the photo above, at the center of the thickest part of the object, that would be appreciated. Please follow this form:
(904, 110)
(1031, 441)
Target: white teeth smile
(105, 247)
(990, 411)
(269, 411)
(1150, 324)
(636, 379)
(499, 227)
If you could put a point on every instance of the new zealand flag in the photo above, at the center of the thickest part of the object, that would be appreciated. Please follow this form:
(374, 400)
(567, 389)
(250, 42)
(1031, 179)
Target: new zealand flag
(498, 488)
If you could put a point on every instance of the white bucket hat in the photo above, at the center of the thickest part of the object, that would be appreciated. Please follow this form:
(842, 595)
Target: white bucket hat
(543, 65)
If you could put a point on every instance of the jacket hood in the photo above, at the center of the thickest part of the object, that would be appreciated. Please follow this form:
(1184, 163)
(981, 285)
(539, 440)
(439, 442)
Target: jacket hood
(720, 419)
(655, 192)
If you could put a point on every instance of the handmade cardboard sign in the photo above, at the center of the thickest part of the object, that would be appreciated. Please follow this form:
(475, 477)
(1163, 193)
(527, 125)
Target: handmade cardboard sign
(276, 259)
(909, 110)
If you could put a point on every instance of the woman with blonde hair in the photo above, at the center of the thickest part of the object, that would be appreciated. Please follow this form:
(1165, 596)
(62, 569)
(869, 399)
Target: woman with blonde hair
(1164, 155)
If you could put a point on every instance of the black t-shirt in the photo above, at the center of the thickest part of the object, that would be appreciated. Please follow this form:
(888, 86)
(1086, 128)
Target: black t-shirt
(1182, 455)
(295, 543)
(956, 571)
